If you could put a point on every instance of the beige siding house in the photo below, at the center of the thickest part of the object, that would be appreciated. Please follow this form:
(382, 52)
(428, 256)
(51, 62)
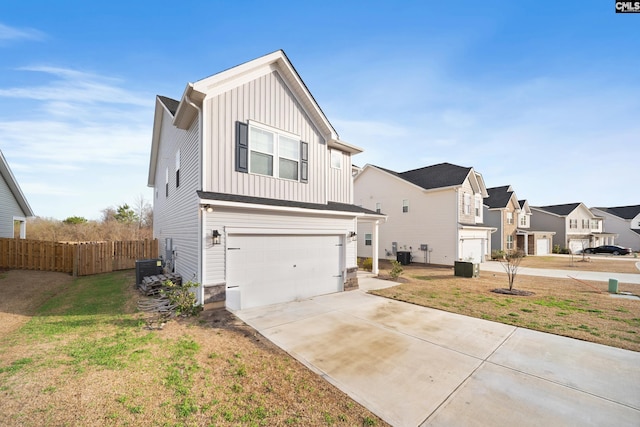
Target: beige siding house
(435, 213)
(512, 219)
(576, 227)
(14, 208)
(253, 188)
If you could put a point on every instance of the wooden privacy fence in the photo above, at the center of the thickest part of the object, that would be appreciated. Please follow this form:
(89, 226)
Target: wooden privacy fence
(79, 259)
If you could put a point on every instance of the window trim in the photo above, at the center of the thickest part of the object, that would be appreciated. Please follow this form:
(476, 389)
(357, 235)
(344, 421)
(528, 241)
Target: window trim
(509, 217)
(338, 155)
(368, 238)
(178, 168)
(573, 224)
(276, 155)
(510, 241)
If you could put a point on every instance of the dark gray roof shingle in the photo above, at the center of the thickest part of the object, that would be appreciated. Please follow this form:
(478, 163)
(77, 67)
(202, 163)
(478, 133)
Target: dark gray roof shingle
(498, 197)
(562, 210)
(435, 176)
(330, 206)
(171, 104)
(625, 212)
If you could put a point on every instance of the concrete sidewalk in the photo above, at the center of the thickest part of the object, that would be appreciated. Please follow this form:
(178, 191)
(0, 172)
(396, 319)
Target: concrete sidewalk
(496, 267)
(416, 366)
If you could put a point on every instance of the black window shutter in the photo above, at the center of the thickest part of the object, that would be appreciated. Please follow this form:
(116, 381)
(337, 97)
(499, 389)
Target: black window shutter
(242, 147)
(304, 162)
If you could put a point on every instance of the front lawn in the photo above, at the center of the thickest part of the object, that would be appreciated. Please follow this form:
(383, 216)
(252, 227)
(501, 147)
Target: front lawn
(84, 358)
(572, 308)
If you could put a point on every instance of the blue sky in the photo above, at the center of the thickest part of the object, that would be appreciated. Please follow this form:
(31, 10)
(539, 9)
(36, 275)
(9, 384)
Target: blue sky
(543, 95)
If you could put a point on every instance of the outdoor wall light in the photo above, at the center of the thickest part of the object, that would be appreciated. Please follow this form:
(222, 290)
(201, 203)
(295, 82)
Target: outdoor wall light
(215, 236)
(352, 234)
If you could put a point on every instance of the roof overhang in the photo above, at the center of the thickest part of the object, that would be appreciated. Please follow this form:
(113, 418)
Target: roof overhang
(11, 181)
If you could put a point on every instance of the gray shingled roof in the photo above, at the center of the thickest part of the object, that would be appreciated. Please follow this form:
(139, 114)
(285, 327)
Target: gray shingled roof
(435, 176)
(522, 202)
(498, 197)
(330, 206)
(562, 210)
(625, 212)
(171, 104)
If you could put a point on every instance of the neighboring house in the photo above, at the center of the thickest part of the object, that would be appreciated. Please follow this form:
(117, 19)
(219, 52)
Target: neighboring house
(625, 222)
(433, 212)
(576, 227)
(253, 188)
(512, 219)
(14, 207)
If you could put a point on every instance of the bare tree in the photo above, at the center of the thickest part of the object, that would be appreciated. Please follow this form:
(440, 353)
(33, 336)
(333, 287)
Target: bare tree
(511, 264)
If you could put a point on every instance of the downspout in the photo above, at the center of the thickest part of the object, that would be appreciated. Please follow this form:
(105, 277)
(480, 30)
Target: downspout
(201, 213)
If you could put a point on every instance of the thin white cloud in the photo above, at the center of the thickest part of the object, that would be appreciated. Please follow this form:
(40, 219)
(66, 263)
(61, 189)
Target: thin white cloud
(76, 87)
(9, 34)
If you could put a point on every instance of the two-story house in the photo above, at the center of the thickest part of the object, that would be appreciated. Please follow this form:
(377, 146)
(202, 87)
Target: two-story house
(624, 221)
(253, 195)
(434, 212)
(512, 219)
(14, 208)
(576, 227)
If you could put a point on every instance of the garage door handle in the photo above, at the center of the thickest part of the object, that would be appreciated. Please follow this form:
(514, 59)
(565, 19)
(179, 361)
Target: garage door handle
(233, 249)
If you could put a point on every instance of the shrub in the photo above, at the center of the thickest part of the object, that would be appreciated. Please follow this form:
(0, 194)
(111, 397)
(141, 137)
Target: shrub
(396, 270)
(181, 296)
(367, 264)
(556, 249)
(497, 254)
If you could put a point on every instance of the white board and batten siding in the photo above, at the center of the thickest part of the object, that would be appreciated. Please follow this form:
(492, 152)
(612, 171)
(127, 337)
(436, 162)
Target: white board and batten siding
(177, 216)
(268, 101)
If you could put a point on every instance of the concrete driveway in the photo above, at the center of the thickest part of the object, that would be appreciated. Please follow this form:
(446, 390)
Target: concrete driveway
(416, 366)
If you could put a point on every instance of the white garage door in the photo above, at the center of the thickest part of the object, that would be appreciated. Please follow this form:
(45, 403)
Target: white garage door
(270, 269)
(542, 247)
(472, 250)
(577, 245)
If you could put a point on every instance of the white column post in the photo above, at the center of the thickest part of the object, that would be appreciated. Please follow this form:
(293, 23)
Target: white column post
(374, 244)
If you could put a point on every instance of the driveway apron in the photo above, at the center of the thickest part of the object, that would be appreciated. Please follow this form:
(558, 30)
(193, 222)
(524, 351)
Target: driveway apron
(417, 366)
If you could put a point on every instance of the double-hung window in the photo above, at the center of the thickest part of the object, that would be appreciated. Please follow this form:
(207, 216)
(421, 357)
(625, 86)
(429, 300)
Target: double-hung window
(273, 153)
(467, 204)
(367, 239)
(509, 217)
(510, 241)
(573, 223)
(405, 206)
(378, 207)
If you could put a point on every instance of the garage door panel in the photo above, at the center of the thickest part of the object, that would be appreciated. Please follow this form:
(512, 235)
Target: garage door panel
(472, 250)
(270, 269)
(542, 247)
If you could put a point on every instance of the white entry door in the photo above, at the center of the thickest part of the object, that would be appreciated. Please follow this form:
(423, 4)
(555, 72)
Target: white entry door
(269, 269)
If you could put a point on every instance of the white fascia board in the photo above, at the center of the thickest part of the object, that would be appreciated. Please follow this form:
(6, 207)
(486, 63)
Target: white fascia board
(479, 180)
(475, 227)
(344, 146)
(286, 230)
(283, 209)
(185, 113)
(397, 178)
(276, 61)
(5, 171)
(155, 142)
(547, 212)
